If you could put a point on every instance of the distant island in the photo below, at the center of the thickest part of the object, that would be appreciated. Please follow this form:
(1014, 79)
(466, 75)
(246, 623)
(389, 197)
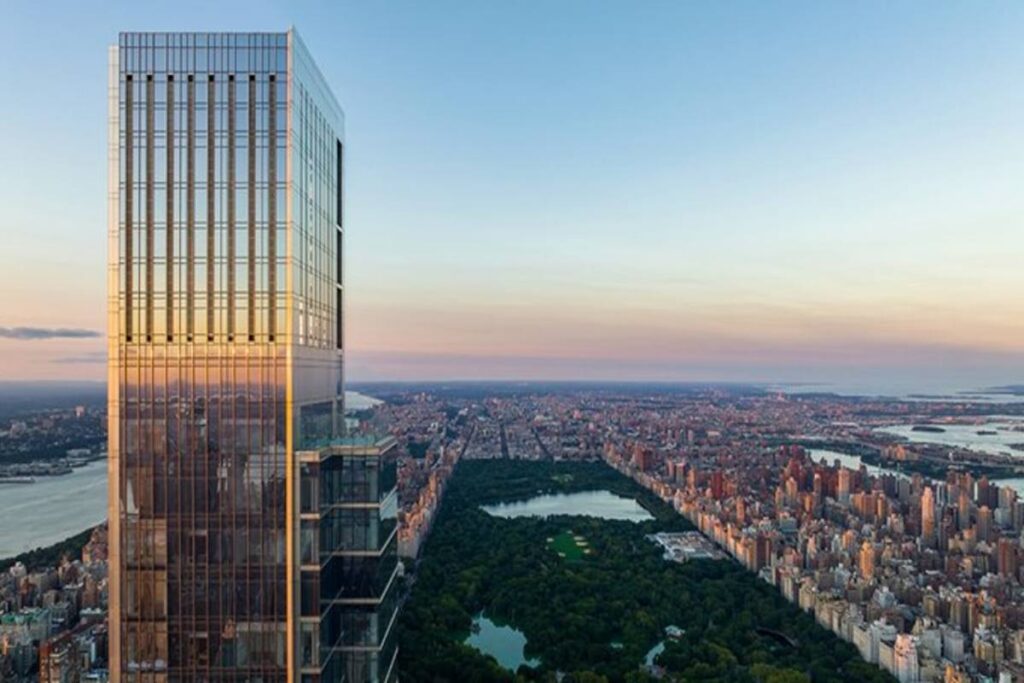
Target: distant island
(1008, 389)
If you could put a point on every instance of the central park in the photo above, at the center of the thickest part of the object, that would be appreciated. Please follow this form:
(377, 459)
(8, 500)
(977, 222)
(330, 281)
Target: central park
(541, 571)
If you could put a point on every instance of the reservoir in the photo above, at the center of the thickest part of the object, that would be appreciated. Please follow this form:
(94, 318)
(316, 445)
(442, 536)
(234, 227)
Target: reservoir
(600, 504)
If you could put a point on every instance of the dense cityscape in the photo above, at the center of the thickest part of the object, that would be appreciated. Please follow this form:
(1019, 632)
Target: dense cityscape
(53, 621)
(921, 573)
(537, 427)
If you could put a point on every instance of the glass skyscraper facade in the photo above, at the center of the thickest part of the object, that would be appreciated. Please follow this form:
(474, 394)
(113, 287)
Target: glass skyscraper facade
(225, 336)
(349, 566)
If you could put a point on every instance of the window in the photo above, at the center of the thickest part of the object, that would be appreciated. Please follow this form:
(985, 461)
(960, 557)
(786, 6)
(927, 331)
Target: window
(337, 187)
(340, 331)
(338, 252)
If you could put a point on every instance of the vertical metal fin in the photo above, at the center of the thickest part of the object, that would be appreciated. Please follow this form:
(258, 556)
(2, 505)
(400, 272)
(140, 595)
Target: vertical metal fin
(190, 207)
(150, 199)
(211, 220)
(170, 208)
(272, 207)
(231, 207)
(252, 208)
(129, 205)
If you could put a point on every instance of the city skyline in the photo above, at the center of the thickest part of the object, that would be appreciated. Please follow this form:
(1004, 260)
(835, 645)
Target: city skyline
(801, 193)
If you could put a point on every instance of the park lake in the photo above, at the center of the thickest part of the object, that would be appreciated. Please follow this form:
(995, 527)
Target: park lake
(600, 504)
(504, 643)
(505, 587)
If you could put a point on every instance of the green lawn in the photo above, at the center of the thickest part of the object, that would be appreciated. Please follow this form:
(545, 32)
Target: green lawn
(569, 546)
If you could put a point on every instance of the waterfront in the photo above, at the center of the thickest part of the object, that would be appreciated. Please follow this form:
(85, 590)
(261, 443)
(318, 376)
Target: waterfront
(600, 504)
(52, 508)
(917, 389)
(853, 462)
(996, 439)
(357, 401)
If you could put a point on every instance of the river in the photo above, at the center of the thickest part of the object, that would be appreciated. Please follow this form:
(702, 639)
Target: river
(995, 438)
(852, 462)
(52, 509)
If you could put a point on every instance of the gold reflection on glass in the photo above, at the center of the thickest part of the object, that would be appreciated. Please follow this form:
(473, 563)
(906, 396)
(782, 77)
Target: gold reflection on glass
(207, 372)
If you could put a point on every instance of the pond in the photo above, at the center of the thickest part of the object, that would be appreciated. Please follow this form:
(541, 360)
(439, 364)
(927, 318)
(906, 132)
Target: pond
(600, 504)
(652, 653)
(506, 644)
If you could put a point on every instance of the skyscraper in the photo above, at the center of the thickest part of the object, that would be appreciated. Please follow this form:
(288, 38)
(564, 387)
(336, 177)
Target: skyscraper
(867, 560)
(928, 517)
(249, 539)
(1006, 557)
(843, 487)
(964, 500)
(983, 524)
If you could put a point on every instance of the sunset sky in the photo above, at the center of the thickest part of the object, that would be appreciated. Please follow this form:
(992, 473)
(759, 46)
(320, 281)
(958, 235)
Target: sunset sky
(788, 191)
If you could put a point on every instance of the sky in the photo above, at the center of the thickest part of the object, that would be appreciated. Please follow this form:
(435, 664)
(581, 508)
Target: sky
(785, 191)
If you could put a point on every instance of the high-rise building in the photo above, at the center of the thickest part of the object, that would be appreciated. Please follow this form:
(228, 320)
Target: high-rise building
(964, 501)
(983, 524)
(867, 560)
(928, 517)
(249, 539)
(1007, 497)
(906, 667)
(1006, 558)
(843, 487)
